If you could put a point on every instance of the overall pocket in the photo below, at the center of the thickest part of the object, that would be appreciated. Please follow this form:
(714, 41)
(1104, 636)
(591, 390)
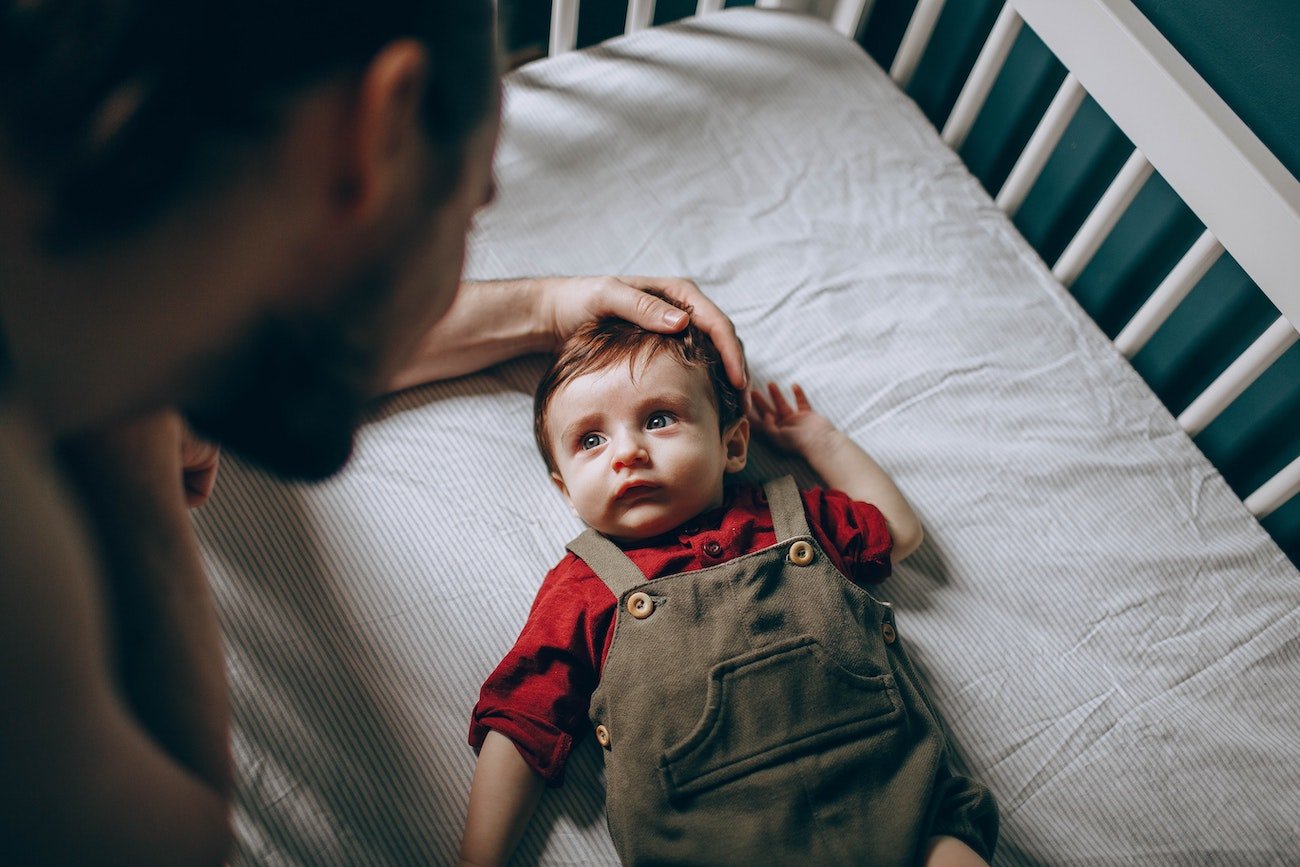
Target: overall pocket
(774, 704)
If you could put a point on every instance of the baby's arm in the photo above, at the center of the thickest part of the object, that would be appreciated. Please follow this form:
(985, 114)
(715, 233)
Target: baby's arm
(502, 799)
(840, 462)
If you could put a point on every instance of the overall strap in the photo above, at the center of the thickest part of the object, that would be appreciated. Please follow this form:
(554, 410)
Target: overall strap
(608, 561)
(786, 505)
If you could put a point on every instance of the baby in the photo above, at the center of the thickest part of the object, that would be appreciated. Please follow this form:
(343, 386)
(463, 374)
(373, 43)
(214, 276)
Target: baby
(752, 699)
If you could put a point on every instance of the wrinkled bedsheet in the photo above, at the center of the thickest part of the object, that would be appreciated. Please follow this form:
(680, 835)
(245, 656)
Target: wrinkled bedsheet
(1114, 640)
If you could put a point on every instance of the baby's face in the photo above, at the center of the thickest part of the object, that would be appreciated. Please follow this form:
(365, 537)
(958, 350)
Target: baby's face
(639, 456)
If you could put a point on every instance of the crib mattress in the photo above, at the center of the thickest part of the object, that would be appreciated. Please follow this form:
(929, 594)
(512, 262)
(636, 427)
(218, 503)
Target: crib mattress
(1110, 635)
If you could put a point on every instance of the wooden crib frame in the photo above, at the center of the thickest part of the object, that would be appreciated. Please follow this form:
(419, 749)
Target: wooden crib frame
(1245, 198)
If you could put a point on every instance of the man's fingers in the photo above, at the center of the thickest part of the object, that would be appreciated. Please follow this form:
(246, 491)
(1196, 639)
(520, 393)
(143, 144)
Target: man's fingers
(653, 314)
(717, 325)
(708, 317)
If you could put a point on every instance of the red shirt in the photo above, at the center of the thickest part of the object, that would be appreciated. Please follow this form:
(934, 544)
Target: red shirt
(539, 694)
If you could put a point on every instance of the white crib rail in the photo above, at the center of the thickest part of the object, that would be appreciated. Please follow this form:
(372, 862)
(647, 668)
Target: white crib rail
(1041, 144)
(915, 39)
(1277, 339)
(564, 26)
(1169, 294)
(981, 78)
(640, 15)
(1087, 241)
(846, 16)
(1276, 491)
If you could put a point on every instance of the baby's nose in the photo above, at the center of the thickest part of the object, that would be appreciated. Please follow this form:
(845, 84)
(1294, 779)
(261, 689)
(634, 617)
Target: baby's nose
(629, 452)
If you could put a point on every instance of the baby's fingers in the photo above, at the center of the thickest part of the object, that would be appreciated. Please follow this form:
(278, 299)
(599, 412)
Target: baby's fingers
(800, 399)
(778, 400)
(759, 408)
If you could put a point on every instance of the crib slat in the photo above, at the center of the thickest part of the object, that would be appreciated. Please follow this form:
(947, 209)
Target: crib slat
(1276, 491)
(640, 13)
(1169, 294)
(1238, 189)
(564, 26)
(1118, 196)
(848, 15)
(1041, 144)
(980, 81)
(1277, 339)
(704, 7)
(915, 39)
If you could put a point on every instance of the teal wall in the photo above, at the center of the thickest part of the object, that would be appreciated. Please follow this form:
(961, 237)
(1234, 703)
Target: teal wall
(1249, 52)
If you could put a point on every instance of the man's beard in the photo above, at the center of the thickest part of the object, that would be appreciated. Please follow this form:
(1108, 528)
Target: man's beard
(296, 393)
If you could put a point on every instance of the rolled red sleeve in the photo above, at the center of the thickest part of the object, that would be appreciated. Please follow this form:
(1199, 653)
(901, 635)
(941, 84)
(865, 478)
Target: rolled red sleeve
(852, 532)
(539, 695)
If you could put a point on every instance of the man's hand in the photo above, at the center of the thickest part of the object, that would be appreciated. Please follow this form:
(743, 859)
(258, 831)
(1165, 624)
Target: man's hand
(574, 301)
(497, 320)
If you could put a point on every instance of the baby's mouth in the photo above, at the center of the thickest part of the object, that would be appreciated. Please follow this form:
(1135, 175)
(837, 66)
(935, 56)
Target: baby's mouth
(633, 488)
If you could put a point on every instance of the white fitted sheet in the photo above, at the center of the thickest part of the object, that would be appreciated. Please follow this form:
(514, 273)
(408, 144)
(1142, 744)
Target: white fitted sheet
(1114, 640)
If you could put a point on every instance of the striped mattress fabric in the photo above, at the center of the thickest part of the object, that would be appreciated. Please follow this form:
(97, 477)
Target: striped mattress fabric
(1110, 635)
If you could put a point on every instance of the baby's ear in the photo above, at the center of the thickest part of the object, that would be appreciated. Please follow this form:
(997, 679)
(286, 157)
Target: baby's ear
(564, 491)
(735, 440)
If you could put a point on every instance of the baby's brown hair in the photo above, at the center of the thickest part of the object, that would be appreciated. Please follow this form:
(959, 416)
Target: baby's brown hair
(606, 342)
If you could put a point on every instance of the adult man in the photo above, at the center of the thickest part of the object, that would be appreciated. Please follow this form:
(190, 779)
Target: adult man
(255, 212)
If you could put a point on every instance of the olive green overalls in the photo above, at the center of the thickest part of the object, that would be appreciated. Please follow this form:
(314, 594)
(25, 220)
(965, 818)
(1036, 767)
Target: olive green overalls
(762, 711)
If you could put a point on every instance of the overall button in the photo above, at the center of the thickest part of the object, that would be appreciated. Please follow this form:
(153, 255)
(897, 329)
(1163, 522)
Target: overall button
(801, 553)
(602, 736)
(712, 549)
(887, 630)
(640, 605)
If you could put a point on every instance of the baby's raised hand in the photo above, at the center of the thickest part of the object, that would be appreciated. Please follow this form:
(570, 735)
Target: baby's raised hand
(797, 429)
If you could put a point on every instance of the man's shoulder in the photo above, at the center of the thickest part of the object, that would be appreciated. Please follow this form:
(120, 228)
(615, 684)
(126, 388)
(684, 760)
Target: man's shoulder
(39, 528)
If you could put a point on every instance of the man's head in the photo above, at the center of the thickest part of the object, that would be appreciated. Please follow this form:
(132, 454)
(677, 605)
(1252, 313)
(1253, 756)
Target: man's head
(256, 207)
(639, 428)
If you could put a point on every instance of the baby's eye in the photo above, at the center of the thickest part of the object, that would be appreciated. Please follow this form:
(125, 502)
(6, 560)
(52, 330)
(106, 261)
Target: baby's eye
(590, 441)
(659, 420)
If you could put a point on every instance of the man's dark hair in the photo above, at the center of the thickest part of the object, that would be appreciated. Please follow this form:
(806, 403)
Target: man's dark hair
(117, 108)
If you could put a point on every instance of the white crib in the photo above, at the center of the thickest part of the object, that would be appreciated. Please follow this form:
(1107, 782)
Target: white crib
(1106, 627)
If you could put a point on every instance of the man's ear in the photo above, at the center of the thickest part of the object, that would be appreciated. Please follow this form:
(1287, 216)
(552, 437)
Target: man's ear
(736, 441)
(383, 129)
